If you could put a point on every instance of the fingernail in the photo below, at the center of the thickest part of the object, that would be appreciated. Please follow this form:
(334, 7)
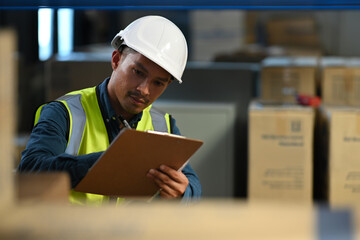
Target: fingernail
(162, 167)
(152, 171)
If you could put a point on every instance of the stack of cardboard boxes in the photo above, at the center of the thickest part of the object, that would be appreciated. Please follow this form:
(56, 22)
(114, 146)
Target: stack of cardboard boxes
(339, 126)
(300, 152)
(337, 123)
(281, 131)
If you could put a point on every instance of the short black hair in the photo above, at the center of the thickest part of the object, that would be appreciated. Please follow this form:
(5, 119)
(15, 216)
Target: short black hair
(125, 49)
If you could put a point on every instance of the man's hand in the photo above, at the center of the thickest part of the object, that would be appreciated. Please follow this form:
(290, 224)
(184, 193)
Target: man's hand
(172, 183)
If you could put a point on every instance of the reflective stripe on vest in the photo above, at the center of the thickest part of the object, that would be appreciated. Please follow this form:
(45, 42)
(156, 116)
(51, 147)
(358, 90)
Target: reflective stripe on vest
(77, 122)
(157, 119)
(154, 119)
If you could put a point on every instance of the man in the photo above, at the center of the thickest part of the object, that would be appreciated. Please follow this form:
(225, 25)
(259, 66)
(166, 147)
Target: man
(72, 132)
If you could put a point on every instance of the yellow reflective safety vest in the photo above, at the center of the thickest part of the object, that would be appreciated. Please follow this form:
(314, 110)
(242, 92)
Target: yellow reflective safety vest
(88, 134)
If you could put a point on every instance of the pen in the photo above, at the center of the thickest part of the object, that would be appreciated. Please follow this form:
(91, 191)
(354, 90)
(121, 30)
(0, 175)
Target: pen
(123, 120)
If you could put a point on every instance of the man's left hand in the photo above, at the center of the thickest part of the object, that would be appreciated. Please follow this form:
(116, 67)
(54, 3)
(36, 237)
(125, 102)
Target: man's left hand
(172, 183)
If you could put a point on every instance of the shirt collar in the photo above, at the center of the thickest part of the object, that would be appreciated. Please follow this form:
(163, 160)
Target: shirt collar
(109, 110)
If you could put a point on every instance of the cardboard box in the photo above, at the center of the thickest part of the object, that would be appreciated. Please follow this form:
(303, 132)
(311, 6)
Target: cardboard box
(341, 134)
(340, 81)
(280, 152)
(292, 31)
(43, 187)
(207, 219)
(284, 77)
(8, 109)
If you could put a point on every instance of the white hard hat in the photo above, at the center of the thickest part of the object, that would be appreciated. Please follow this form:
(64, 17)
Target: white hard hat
(159, 40)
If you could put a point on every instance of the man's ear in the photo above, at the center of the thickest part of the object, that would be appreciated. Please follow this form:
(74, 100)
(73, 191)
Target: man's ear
(115, 59)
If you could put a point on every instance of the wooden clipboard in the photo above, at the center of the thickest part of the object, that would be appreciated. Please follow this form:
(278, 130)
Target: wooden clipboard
(121, 170)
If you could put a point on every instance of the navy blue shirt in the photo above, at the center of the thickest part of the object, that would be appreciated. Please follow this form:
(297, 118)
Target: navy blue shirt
(45, 150)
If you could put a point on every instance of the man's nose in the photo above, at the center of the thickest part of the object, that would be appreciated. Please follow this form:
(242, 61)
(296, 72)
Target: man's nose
(144, 87)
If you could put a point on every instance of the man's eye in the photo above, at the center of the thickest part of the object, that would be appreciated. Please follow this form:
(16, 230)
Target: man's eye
(159, 83)
(138, 72)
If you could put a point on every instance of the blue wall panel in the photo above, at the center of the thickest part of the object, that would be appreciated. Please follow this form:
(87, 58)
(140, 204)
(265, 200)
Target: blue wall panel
(184, 4)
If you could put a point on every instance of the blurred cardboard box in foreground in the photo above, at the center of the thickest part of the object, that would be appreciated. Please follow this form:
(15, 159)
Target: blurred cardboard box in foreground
(43, 187)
